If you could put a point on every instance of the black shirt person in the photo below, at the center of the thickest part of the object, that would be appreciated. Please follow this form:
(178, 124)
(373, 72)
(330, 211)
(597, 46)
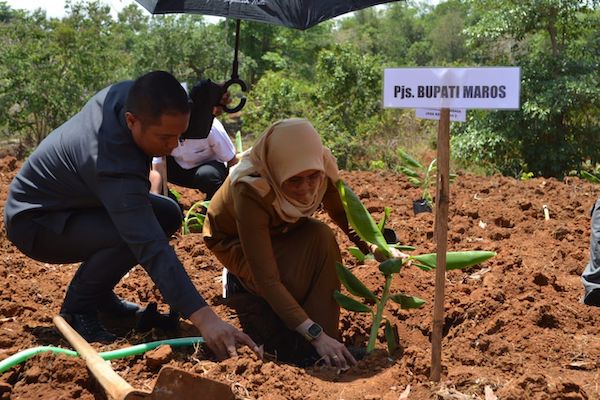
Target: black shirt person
(83, 195)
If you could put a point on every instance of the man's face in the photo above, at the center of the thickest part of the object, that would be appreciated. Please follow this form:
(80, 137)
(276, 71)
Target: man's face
(160, 138)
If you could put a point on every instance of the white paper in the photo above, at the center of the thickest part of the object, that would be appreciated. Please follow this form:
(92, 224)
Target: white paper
(456, 114)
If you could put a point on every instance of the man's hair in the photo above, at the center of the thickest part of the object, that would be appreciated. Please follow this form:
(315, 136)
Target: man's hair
(154, 94)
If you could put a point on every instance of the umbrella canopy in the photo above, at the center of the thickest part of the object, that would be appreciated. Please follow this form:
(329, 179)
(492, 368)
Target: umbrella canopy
(299, 14)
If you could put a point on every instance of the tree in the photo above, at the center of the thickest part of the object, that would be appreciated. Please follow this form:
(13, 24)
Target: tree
(555, 42)
(51, 67)
(185, 46)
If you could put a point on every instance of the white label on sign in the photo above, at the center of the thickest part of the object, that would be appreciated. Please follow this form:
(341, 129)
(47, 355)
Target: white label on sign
(469, 88)
(456, 114)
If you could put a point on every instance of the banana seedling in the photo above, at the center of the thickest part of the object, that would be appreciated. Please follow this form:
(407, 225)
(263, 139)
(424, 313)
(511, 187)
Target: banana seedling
(364, 225)
(194, 218)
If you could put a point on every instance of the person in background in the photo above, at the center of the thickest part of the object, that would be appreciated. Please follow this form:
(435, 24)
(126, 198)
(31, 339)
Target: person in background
(260, 228)
(83, 195)
(591, 274)
(201, 162)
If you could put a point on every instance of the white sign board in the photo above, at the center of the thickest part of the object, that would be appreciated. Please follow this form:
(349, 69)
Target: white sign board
(456, 114)
(469, 88)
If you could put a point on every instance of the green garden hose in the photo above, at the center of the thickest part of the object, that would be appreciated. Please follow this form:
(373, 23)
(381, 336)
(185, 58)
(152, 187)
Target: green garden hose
(26, 354)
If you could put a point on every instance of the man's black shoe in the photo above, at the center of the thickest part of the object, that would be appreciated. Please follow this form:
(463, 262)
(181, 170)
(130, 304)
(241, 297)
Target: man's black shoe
(89, 327)
(592, 298)
(117, 307)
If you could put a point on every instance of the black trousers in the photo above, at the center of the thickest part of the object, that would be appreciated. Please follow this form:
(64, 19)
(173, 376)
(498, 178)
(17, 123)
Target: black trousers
(89, 236)
(591, 274)
(207, 178)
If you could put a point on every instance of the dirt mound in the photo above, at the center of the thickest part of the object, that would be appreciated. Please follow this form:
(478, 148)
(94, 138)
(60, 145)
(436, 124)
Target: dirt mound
(514, 326)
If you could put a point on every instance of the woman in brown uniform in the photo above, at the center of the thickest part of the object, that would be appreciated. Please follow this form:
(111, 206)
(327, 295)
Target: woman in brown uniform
(260, 228)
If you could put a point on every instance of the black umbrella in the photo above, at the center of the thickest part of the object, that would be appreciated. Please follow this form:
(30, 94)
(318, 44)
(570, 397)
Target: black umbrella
(299, 14)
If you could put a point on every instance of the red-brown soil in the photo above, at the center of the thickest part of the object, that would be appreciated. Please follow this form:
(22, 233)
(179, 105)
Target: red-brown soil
(514, 326)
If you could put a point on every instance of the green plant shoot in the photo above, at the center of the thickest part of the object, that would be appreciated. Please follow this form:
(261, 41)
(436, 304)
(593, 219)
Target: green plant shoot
(419, 176)
(238, 142)
(589, 177)
(193, 219)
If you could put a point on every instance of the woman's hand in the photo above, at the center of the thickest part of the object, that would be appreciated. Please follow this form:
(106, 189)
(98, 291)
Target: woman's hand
(333, 352)
(222, 338)
(379, 256)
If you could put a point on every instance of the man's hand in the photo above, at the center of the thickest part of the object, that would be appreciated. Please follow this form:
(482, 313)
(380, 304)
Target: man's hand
(333, 352)
(222, 338)
(225, 100)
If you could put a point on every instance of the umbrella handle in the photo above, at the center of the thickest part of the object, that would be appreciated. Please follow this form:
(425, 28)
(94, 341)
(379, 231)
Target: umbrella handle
(242, 103)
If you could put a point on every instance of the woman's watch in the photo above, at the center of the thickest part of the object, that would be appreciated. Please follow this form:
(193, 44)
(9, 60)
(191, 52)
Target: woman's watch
(313, 332)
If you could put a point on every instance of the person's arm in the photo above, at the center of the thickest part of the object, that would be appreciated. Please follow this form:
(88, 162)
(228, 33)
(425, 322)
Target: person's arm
(158, 176)
(234, 160)
(333, 352)
(126, 200)
(253, 225)
(221, 144)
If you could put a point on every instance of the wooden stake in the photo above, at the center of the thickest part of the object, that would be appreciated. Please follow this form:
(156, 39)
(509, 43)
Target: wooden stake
(442, 200)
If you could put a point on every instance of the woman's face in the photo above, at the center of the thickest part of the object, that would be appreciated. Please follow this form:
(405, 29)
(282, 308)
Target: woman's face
(303, 186)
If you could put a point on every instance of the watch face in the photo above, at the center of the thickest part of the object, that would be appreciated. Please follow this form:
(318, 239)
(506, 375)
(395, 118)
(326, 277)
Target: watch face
(315, 330)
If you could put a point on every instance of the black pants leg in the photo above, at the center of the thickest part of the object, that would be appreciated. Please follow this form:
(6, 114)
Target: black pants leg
(90, 236)
(591, 275)
(207, 178)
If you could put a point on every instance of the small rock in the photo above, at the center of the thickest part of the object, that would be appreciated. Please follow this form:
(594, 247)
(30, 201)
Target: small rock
(158, 357)
(5, 387)
(32, 374)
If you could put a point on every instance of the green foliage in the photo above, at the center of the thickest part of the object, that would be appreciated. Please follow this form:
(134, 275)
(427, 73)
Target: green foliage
(590, 177)
(525, 176)
(348, 92)
(51, 67)
(330, 74)
(275, 97)
(556, 44)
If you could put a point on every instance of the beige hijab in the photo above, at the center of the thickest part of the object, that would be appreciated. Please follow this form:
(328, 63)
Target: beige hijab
(285, 149)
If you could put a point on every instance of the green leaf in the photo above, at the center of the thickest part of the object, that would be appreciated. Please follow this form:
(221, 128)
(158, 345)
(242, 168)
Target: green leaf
(403, 247)
(414, 181)
(409, 160)
(238, 142)
(589, 177)
(422, 266)
(353, 284)
(456, 259)
(407, 302)
(391, 266)
(432, 167)
(391, 337)
(386, 215)
(350, 304)
(408, 172)
(355, 251)
(360, 219)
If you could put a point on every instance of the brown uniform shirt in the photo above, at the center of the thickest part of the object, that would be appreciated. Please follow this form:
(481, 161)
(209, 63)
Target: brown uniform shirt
(238, 229)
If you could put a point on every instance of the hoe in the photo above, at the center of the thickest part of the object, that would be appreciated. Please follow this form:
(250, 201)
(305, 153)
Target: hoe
(171, 384)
